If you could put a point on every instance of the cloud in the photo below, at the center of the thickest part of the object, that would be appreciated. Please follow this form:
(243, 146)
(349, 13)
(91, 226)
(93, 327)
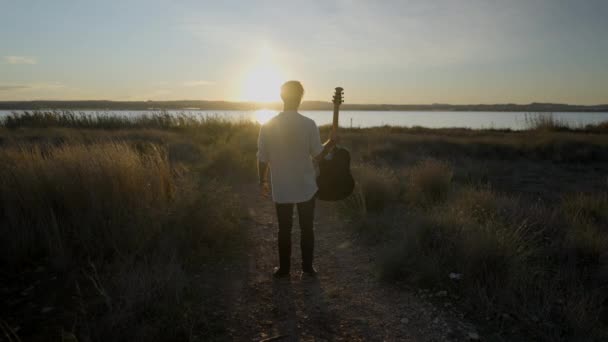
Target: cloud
(11, 87)
(33, 86)
(52, 85)
(356, 34)
(20, 60)
(36, 90)
(197, 83)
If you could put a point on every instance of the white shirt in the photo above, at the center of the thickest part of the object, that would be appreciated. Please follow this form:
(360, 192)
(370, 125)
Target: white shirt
(288, 142)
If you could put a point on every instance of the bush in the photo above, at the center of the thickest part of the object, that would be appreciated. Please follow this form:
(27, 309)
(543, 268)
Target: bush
(531, 262)
(462, 236)
(429, 182)
(586, 240)
(583, 207)
(601, 127)
(376, 188)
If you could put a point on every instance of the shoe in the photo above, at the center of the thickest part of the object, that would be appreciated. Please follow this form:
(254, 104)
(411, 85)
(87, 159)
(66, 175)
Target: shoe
(279, 273)
(309, 271)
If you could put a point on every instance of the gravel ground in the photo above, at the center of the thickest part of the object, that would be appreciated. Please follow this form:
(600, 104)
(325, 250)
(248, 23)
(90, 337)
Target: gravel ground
(345, 302)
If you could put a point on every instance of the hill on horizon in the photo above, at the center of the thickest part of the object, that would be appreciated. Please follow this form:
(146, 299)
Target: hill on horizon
(306, 105)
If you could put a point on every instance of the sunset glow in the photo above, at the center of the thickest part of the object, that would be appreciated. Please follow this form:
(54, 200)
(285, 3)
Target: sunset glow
(263, 79)
(383, 52)
(263, 115)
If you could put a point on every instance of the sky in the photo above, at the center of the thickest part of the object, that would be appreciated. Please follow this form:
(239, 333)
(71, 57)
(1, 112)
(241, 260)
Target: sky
(382, 51)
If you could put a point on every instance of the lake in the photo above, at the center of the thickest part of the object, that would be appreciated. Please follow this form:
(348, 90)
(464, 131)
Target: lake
(431, 119)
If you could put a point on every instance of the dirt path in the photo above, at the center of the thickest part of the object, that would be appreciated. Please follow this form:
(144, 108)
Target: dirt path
(344, 303)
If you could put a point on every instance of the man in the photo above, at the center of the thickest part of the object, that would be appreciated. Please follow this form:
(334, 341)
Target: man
(287, 145)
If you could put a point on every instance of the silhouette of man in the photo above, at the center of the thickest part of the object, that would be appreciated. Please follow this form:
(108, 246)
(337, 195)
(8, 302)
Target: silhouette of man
(288, 145)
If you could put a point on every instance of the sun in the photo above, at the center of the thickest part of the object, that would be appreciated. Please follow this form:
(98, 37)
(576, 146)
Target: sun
(262, 81)
(262, 84)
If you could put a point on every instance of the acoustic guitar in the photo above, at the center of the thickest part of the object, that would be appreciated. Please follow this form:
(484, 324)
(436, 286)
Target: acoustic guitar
(335, 181)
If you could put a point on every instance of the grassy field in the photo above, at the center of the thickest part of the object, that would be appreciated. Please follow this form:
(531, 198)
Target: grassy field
(127, 217)
(512, 223)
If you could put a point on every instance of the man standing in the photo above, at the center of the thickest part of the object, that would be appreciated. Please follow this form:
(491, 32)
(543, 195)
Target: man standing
(287, 145)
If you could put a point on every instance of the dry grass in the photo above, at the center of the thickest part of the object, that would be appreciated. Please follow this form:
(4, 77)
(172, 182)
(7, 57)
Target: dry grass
(405, 146)
(545, 122)
(601, 127)
(97, 199)
(540, 262)
(133, 206)
(110, 121)
(429, 182)
(545, 267)
(127, 218)
(375, 190)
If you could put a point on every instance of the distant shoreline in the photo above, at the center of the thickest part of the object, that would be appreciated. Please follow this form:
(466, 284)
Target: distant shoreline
(187, 105)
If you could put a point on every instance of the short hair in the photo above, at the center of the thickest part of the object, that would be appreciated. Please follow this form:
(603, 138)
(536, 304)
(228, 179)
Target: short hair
(292, 92)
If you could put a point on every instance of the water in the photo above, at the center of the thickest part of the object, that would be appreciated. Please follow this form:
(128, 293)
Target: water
(475, 120)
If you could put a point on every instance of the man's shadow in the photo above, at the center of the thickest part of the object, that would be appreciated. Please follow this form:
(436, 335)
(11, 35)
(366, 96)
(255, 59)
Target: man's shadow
(320, 321)
(284, 310)
(313, 319)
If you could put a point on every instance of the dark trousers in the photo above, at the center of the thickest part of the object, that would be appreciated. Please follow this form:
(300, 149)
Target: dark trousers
(306, 214)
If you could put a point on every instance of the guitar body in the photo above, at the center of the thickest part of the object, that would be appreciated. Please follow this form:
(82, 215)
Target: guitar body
(335, 181)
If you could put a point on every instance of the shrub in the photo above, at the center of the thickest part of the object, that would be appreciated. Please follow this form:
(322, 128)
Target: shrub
(429, 182)
(601, 127)
(464, 235)
(479, 203)
(376, 188)
(231, 160)
(586, 208)
(535, 263)
(586, 239)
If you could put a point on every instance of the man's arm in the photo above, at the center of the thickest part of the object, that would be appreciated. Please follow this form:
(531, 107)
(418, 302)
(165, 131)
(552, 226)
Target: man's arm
(263, 165)
(317, 150)
(262, 172)
(327, 146)
(262, 157)
(263, 179)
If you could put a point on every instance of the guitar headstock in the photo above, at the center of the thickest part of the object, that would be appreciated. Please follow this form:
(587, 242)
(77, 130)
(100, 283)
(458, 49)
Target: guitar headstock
(338, 98)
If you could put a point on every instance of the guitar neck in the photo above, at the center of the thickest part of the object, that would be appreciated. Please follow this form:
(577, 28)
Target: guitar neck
(337, 101)
(336, 116)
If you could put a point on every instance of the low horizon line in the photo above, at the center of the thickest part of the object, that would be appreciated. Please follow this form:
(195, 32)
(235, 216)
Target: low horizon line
(319, 101)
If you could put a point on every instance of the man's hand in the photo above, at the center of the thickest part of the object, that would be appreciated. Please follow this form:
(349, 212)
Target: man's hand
(265, 189)
(334, 139)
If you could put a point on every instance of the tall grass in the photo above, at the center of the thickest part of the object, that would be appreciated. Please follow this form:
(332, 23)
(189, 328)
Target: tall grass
(131, 222)
(95, 199)
(544, 122)
(376, 188)
(545, 267)
(135, 204)
(429, 182)
(600, 127)
(109, 120)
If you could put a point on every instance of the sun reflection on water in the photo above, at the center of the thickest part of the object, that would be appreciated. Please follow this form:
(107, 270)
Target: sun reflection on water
(262, 116)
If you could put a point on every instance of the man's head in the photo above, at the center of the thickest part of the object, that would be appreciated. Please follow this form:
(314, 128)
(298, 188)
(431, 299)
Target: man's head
(291, 93)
